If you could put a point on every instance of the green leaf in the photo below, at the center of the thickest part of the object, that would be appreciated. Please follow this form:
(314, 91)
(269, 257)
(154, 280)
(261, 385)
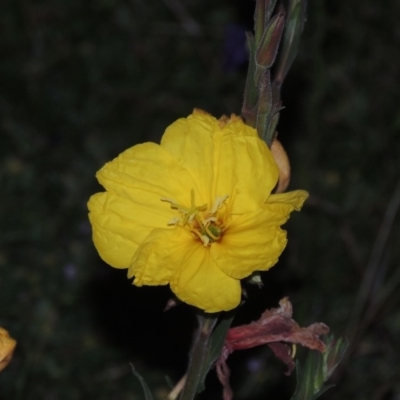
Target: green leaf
(317, 370)
(216, 344)
(262, 15)
(146, 390)
(295, 19)
(198, 355)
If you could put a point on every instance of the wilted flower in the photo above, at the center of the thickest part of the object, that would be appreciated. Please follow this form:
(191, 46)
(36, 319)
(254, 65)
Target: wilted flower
(276, 328)
(195, 212)
(7, 346)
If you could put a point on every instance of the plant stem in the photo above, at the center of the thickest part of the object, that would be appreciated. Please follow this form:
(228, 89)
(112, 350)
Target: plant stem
(198, 355)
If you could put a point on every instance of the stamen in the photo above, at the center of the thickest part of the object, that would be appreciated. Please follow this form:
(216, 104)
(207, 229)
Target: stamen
(208, 220)
(206, 225)
(205, 239)
(168, 200)
(196, 232)
(173, 221)
(218, 203)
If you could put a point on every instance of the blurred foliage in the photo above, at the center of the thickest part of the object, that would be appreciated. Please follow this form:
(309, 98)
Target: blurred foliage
(82, 81)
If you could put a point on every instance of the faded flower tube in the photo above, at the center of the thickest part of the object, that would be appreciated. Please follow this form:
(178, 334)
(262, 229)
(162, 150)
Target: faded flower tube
(195, 212)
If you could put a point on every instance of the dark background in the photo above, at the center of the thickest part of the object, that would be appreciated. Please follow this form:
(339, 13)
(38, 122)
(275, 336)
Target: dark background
(80, 81)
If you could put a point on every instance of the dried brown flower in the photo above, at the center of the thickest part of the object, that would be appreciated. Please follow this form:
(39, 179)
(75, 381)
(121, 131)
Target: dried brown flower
(276, 328)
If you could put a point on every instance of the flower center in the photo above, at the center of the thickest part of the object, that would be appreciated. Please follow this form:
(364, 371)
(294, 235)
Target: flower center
(204, 224)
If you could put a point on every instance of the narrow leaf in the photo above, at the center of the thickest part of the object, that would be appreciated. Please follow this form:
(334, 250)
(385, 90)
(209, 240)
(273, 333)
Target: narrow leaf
(259, 19)
(290, 43)
(317, 370)
(269, 8)
(198, 355)
(216, 344)
(146, 390)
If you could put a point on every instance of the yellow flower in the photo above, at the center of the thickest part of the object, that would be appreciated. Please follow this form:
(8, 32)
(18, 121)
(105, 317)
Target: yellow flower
(195, 212)
(7, 346)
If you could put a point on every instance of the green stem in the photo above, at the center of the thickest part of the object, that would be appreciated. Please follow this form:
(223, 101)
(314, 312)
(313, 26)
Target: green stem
(198, 355)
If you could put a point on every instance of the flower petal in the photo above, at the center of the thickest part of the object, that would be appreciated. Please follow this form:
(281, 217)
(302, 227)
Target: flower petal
(190, 142)
(201, 283)
(223, 159)
(252, 242)
(119, 226)
(282, 204)
(151, 264)
(244, 167)
(144, 174)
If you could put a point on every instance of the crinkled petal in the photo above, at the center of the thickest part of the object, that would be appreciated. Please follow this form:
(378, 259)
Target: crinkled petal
(120, 225)
(223, 159)
(152, 264)
(244, 167)
(252, 242)
(201, 283)
(190, 143)
(144, 174)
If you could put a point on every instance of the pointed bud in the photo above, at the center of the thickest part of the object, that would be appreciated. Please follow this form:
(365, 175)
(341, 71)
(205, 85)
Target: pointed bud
(269, 44)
